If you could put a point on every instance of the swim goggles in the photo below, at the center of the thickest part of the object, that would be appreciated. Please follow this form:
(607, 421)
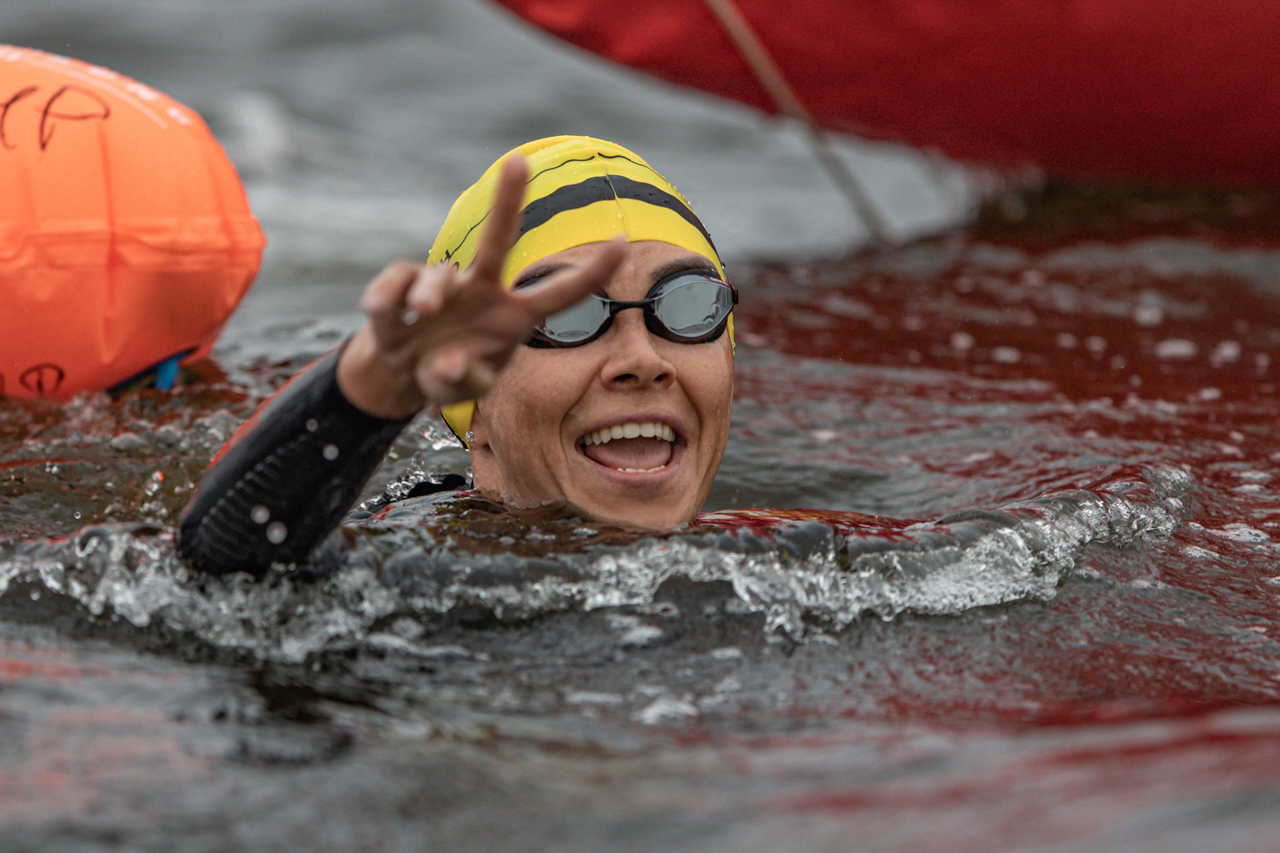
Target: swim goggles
(689, 307)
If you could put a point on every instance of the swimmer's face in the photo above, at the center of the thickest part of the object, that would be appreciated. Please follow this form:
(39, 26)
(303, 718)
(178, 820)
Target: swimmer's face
(534, 432)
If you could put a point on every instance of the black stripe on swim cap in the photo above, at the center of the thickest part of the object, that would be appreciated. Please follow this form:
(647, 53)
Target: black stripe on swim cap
(605, 188)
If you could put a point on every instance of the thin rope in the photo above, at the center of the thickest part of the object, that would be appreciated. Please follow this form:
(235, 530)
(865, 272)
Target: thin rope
(770, 77)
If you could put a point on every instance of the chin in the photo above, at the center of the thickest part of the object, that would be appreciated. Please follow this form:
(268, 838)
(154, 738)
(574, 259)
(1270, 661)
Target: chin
(647, 516)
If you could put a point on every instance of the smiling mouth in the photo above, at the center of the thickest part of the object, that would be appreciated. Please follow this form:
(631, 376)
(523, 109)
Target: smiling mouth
(641, 447)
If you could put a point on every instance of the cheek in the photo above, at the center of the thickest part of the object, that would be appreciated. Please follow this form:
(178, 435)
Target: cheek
(710, 383)
(533, 394)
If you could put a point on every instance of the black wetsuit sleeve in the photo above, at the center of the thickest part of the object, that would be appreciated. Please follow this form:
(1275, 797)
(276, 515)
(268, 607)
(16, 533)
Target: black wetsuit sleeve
(286, 478)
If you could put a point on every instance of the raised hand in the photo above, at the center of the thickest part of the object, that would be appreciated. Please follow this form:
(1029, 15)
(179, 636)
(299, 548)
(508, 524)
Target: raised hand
(437, 335)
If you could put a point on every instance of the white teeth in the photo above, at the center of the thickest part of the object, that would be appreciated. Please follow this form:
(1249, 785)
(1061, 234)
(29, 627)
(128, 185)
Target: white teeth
(650, 429)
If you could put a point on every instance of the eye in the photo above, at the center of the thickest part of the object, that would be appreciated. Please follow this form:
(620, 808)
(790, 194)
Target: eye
(577, 322)
(670, 279)
(533, 279)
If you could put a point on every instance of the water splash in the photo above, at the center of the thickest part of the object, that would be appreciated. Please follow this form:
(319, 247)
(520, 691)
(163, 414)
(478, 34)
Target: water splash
(799, 574)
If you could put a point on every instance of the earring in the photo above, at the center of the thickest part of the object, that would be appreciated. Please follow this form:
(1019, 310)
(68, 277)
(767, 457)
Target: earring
(469, 437)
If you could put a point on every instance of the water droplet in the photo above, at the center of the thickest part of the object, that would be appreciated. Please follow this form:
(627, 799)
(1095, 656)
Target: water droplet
(1006, 355)
(331, 452)
(312, 425)
(666, 709)
(1172, 348)
(260, 514)
(77, 515)
(1148, 315)
(276, 532)
(1225, 352)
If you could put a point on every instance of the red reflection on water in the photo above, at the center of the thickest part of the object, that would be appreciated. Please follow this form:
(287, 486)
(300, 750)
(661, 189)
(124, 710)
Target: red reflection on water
(763, 521)
(1119, 787)
(1090, 334)
(1157, 351)
(17, 669)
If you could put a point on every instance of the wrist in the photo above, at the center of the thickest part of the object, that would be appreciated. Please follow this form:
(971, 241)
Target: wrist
(372, 385)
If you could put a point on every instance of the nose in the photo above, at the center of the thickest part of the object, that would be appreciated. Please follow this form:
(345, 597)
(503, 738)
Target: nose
(633, 360)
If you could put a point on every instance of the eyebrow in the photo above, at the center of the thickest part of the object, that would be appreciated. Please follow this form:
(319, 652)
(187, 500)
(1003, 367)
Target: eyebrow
(691, 262)
(536, 272)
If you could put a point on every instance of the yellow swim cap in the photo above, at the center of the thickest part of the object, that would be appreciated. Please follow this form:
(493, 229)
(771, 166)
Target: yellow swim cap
(580, 190)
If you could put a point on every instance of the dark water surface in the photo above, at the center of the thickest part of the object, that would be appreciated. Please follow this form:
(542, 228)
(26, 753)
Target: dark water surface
(1024, 598)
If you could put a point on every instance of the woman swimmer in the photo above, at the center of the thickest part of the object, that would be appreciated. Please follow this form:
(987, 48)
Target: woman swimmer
(519, 329)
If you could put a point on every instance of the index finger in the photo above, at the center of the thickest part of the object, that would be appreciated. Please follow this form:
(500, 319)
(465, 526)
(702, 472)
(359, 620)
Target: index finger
(500, 230)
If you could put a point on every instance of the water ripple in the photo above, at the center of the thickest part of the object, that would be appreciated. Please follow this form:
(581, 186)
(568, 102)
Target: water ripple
(800, 571)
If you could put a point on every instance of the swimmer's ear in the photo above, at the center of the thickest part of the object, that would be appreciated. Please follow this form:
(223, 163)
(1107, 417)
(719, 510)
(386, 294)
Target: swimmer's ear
(478, 434)
(486, 474)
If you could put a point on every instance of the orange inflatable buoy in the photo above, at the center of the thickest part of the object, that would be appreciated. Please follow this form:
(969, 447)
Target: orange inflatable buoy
(126, 238)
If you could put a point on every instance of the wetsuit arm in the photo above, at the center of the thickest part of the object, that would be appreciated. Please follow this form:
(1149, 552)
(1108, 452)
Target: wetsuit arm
(286, 478)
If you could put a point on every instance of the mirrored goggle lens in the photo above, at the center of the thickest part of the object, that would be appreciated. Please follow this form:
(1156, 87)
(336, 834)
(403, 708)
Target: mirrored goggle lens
(576, 324)
(692, 307)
